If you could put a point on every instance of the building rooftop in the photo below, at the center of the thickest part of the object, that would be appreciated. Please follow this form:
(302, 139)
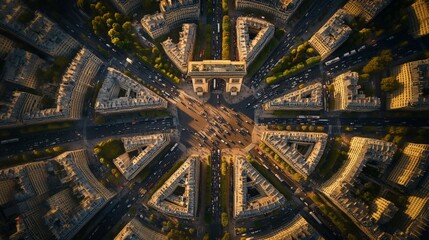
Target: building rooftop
(348, 96)
(367, 9)
(331, 35)
(178, 196)
(253, 194)
(139, 152)
(136, 230)
(120, 93)
(411, 166)
(298, 228)
(308, 98)
(361, 150)
(71, 93)
(21, 67)
(249, 48)
(40, 31)
(301, 150)
(217, 66)
(384, 210)
(181, 53)
(170, 5)
(414, 84)
(55, 198)
(419, 18)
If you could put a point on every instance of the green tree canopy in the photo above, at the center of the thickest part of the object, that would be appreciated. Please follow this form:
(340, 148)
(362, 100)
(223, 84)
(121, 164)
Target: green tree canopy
(389, 84)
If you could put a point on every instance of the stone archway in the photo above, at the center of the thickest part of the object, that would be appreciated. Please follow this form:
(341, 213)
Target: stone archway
(217, 84)
(204, 71)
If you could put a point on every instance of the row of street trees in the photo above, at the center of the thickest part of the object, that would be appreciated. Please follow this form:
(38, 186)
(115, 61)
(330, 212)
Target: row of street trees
(296, 60)
(118, 28)
(226, 30)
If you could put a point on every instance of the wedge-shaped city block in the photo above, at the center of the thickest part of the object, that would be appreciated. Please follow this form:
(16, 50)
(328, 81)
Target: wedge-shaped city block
(253, 194)
(309, 98)
(413, 81)
(120, 93)
(347, 95)
(361, 150)
(136, 230)
(298, 228)
(139, 152)
(301, 150)
(53, 199)
(249, 48)
(171, 15)
(411, 166)
(178, 196)
(181, 53)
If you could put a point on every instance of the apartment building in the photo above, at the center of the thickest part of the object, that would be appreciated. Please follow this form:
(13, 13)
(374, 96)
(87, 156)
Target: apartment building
(309, 98)
(348, 96)
(127, 6)
(39, 32)
(280, 9)
(249, 49)
(139, 152)
(21, 67)
(411, 166)
(253, 194)
(178, 196)
(172, 14)
(331, 35)
(367, 9)
(181, 53)
(134, 229)
(301, 150)
(414, 80)
(360, 151)
(72, 90)
(120, 93)
(418, 14)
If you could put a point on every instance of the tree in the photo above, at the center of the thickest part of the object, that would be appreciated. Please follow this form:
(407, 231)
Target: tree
(80, 3)
(224, 219)
(102, 161)
(191, 231)
(226, 236)
(118, 17)
(97, 151)
(206, 237)
(126, 26)
(301, 86)
(389, 84)
(151, 218)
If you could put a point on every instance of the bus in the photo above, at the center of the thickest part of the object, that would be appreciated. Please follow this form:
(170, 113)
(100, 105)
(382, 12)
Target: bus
(265, 166)
(278, 177)
(174, 147)
(275, 86)
(332, 61)
(315, 217)
(12, 140)
(218, 27)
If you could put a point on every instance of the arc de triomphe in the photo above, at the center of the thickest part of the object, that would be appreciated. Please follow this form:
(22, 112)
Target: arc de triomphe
(201, 72)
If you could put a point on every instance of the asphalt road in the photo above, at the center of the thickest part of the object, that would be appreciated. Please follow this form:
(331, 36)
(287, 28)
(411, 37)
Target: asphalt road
(75, 135)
